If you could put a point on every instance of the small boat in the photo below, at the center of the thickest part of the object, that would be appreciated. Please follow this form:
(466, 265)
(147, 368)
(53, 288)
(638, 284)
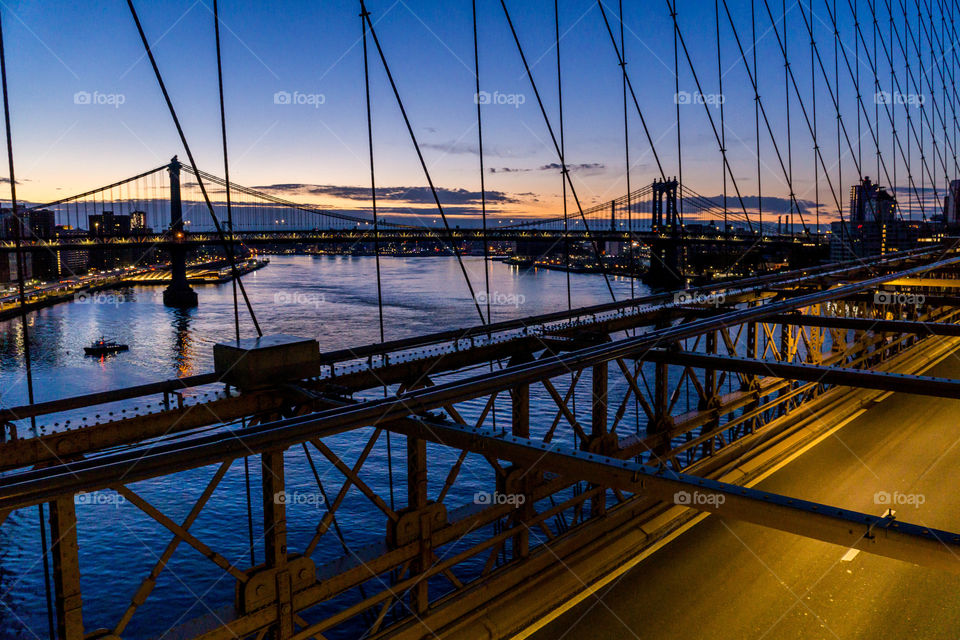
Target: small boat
(103, 347)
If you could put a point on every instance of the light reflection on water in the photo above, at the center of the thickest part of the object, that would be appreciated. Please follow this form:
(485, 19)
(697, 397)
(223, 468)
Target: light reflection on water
(332, 299)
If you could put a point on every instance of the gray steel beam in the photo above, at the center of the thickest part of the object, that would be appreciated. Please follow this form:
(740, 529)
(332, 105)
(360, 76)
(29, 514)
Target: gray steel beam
(881, 380)
(873, 534)
(868, 324)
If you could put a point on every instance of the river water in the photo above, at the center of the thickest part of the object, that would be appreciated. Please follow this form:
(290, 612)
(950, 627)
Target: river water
(330, 298)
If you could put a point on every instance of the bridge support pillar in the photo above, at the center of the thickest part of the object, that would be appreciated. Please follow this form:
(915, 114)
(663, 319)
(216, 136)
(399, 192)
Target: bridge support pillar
(417, 503)
(178, 294)
(521, 429)
(275, 539)
(598, 427)
(66, 568)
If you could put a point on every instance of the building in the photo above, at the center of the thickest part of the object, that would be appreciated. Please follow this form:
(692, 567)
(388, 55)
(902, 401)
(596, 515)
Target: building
(107, 224)
(870, 202)
(872, 227)
(951, 205)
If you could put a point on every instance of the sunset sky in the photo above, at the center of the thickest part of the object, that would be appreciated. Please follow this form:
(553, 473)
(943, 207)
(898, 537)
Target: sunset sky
(87, 110)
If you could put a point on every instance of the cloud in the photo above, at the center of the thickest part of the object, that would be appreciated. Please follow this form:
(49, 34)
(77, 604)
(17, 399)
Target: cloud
(412, 195)
(585, 167)
(769, 204)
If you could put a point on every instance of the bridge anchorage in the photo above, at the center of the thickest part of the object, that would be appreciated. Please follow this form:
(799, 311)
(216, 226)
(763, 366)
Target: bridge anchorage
(554, 502)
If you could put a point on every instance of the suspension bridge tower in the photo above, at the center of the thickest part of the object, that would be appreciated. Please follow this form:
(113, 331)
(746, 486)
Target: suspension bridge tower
(179, 294)
(665, 255)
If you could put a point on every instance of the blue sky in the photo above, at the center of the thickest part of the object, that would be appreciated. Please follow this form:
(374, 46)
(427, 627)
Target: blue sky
(311, 51)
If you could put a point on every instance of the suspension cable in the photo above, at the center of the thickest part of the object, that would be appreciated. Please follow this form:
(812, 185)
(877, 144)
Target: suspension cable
(228, 248)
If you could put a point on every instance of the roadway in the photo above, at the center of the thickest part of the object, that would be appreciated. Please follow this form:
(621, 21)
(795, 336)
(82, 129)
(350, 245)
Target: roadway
(724, 579)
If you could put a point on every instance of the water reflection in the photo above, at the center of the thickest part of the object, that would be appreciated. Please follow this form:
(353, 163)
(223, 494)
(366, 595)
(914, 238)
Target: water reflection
(182, 353)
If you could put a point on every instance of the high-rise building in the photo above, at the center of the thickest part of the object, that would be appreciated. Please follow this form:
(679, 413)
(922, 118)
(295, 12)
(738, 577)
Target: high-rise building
(951, 205)
(870, 202)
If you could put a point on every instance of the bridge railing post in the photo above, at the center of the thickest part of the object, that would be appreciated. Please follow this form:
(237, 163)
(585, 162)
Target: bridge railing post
(598, 427)
(275, 538)
(66, 568)
(417, 503)
(520, 427)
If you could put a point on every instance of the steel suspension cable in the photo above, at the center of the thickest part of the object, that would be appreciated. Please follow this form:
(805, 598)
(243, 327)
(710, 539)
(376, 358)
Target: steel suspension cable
(183, 139)
(563, 163)
(423, 163)
(376, 230)
(21, 296)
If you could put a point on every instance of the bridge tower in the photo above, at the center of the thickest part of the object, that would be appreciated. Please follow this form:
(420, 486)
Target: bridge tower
(179, 294)
(665, 268)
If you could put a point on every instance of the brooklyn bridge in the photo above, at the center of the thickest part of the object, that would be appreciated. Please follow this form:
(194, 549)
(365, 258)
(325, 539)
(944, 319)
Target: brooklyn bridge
(647, 413)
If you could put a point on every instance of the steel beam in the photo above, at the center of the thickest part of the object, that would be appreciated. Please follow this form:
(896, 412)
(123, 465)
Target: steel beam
(863, 378)
(873, 534)
(869, 324)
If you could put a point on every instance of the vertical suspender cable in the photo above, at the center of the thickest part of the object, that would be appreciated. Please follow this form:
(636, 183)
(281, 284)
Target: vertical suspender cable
(236, 303)
(423, 162)
(21, 286)
(676, 75)
(563, 179)
(626, 148)
(813, 90)
(226, 163)
(376, 221)
(756, 111)
(483, 189)
(183, 140)
(723, 129)
(786, 88)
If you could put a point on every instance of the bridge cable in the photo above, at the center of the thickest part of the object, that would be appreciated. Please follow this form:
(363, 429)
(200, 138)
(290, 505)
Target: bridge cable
(816, 146)
(756, 110)
(563, 163)
(21, 277)
(723, 128)
(446, 224)
(236, 305)
(226, 163)
(483, 186)
(786, 93)
(228, 248)
(678, 35)
(376, 233)
(676, 79)
(626, 151)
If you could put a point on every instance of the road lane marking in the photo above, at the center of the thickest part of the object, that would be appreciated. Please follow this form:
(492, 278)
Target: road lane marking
(850, 555)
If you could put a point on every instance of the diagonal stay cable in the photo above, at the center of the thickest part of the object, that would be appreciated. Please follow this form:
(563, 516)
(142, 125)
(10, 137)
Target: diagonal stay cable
(556, 145)
(227, 247)
(423, 162)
